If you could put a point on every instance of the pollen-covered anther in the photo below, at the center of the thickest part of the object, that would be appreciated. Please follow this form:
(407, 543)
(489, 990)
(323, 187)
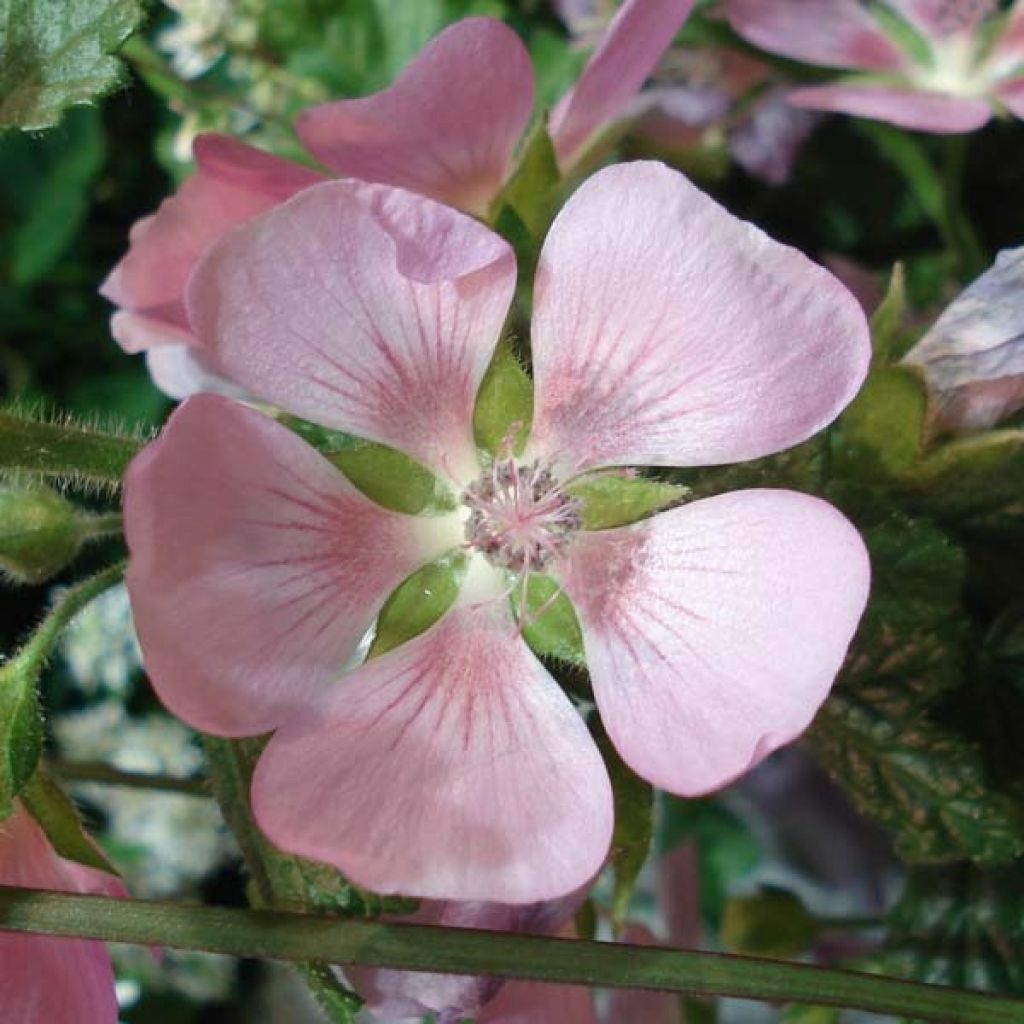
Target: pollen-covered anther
(519, 516)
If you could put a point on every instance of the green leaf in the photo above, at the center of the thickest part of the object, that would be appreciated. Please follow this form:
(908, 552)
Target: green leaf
(959, 925)
(39, 533)
(880, 735)
(902, 33)
(634, 826)
(773, 923)
(64, 451)
(532, 189)
(416, 604)
(21, 731)
(392, 479)
(504, 401)
(616, 498)
(551, 627)
(59, 819)
(45, 190)
(55, 53)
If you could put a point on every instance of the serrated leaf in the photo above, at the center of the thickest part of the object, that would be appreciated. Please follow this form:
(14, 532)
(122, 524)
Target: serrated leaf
(619, 498)
(21, 732)
(961, 925)
(773, 923)
(634, 826)
(416, 604)
(54, 53)
(58, 818)
(505, 400)
(550, 625)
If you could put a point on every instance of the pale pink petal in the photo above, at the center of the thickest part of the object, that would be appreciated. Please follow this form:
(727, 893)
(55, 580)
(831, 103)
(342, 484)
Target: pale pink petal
(636, 39)
(918, 111)
(1009, 50)
(44, 979)
(939, 19)
(534, 1002)
(181, 371)
(766, 140)
(1012, 95)
(973, 355)
(255, 566)
(713, 631)
(679, 893)
(834, 33)
(667, 332)
(453, 767)
(233, 182)
(392, 995)
(447, 128)
(363, 308)
(638, 1004)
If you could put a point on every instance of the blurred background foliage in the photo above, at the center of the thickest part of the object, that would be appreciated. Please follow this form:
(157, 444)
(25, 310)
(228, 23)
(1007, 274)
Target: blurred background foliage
(925, 730)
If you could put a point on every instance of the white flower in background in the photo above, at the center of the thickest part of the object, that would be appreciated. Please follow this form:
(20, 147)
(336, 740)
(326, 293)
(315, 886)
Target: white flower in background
(100, 648)
(197, 39)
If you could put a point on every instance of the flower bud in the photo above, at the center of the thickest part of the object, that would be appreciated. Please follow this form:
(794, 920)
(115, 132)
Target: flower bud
(39, 533)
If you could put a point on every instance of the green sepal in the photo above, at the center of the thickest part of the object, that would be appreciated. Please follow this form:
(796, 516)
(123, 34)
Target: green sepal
(773, 923)
(634, 825)
(53, 809)
(618, 498)
(892, 336)
(385, 475)
(504, 400)
(902, 33)
(532, 189)
(417, 603)
(21, 732)
(39, 533)
(554, 633)
(58, 52)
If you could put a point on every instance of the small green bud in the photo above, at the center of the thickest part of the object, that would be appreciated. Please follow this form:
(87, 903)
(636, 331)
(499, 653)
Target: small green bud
(40, 533)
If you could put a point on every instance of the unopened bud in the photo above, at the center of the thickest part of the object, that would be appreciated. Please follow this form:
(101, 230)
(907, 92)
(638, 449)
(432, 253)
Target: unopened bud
(40, 533)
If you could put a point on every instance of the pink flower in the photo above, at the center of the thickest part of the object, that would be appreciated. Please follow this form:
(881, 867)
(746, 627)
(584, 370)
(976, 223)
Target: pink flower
(942, 71)
(973, 356)
(56, 980)
(448, 128)
(665, 332)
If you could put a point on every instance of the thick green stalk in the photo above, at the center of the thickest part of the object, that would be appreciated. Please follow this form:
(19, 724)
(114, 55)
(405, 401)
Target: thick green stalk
(106, 775)
(280, 935)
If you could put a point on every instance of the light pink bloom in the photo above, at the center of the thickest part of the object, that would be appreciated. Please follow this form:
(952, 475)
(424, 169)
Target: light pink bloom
(951, 82)
(665, 332)
(973, 356)
(448, 128)
(42, 978)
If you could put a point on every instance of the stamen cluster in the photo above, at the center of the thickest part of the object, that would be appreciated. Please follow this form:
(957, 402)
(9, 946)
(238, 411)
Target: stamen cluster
(520, 518)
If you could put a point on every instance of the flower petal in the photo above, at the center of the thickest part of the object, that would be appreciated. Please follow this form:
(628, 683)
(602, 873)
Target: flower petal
(834, 33)
(453, 767)
(939, 19)
(636, 39)
(255, 566)
(537, 1002)
(447, 128)
(1012, 93)
(233, 182)
(713, 632)
(918, 111)
(1009, 50)
(56, 980)
(363, 308)
(181, 371)
(667, 332)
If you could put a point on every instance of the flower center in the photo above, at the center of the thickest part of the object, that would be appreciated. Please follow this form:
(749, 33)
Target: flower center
(519, 517)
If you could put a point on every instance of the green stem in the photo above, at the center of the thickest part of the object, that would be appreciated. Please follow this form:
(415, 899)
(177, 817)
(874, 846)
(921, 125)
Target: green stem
(33, 654)
(97, 527)
(104, 774)
(281, 935)
(959, 230)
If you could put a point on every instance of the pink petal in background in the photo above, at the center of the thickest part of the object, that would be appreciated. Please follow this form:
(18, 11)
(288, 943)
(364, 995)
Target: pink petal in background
(255, 566)
(634, 42)
(453, 767)
(691, 339)
(232, 183)
(713, 632)
(833, 33)
(363, 308)
(918, 111)
(448, 126)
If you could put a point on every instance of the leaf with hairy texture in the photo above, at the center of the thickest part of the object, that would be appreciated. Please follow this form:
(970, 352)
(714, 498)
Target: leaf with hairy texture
(503, 403)
(615, 498)
(21, 732)
(54, 53)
